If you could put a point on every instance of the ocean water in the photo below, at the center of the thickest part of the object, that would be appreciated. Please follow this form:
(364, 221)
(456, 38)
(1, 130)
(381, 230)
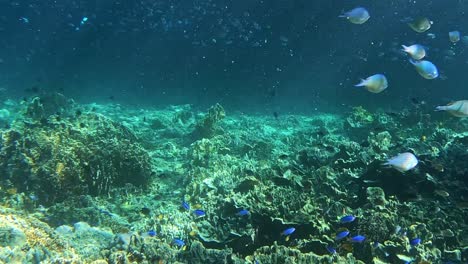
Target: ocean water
(233, 132)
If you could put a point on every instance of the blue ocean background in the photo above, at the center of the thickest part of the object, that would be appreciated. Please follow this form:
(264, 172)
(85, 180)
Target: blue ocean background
(255, 56)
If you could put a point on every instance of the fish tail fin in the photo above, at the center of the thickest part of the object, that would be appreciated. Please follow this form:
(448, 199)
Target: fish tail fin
(343, 14)
(441, 108)
(405, 48)
(361, 83)
(386, 164)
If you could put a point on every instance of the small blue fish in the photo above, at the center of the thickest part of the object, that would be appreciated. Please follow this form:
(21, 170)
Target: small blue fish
(243, 212)
(341, 235)
(178, 242)
(426, 69)
(199, 213)
(185, 205)
(331, 250)
(416, 241)
(358, 15)
(357, 239)
(151, 233)
(347, 219)
(288, 231)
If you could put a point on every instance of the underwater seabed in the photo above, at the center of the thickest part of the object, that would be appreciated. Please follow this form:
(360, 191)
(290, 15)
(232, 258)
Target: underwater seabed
(111, 184)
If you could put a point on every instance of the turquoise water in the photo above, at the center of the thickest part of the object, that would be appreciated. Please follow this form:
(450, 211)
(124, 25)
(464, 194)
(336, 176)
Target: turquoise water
(222, 132)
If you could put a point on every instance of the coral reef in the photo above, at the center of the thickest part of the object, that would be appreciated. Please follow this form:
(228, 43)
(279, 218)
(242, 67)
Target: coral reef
(206, 126)
(120, 185)
(63, 157)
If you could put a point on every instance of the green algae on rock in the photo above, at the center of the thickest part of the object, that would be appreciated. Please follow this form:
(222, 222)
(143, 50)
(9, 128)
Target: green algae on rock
(60, 158)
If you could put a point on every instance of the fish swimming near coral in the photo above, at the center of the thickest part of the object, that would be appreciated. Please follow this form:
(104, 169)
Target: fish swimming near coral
(414, 242)
(457, 108)
(331, 249)
(243, 212)
(357, 239)
(347, 219)
(184, 205)
(402, 162)
(199, 213)
(178, 242)
(341, 235)
(288, 231)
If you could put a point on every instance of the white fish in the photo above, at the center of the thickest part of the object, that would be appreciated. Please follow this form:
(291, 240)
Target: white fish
(421, 24)
(426, 69)
(375, 83)
(403, 162)
(358, 15)
(457, 108)
(416, 51)
(454, 36)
